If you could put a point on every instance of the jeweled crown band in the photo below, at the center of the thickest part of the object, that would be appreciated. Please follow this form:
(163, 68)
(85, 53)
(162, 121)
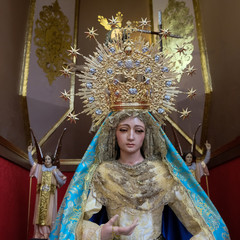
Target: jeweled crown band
(122, 106)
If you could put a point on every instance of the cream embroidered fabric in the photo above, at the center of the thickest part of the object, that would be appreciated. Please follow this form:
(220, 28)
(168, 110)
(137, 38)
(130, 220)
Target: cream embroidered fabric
(139, 191)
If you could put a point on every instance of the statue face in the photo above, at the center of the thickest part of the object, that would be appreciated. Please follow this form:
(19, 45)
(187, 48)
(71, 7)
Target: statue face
(130, 135)
(188, 159)
(48, 161)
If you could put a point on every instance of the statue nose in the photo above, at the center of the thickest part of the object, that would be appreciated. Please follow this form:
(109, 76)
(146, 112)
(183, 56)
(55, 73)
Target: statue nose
(131, 135)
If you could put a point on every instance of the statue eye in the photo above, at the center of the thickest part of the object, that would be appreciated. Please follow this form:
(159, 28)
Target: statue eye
(123, 130)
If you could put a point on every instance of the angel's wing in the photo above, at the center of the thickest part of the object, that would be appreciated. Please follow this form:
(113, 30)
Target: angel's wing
(177, 142)
(58, 150)
(193, 147)
(38, 149)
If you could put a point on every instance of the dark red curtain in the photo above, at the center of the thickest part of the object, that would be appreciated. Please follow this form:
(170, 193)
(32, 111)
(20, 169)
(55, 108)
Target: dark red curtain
(224, 185)
(14, 190)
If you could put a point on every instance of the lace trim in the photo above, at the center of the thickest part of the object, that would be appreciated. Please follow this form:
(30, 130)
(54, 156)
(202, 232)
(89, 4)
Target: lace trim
(122, 186)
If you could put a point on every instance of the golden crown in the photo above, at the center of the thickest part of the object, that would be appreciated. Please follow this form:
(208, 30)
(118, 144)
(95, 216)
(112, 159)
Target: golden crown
(127, 72)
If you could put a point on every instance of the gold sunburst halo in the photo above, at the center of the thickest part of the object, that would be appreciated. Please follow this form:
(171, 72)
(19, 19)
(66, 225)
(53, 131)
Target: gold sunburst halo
(128, 72)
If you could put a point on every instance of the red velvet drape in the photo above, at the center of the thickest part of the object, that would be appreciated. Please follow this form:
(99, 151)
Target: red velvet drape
(224, 189)
(14, 190)
(13, 201)
(223, 182)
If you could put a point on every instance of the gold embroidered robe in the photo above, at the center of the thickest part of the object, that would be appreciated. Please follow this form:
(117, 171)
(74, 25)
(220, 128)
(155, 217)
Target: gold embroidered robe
(139, 191)
(46, 196)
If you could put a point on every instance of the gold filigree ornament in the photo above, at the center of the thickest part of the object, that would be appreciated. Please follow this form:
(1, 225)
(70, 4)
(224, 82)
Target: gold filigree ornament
(127, 72)
(52, 39)
(179, 22)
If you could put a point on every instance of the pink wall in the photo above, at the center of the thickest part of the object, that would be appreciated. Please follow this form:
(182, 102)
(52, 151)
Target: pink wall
(223, 182)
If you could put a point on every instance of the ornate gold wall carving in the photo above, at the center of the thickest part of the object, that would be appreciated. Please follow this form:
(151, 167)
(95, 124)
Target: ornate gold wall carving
(53, 39)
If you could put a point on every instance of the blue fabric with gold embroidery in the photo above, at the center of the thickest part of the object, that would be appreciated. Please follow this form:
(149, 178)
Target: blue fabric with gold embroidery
(75, 198)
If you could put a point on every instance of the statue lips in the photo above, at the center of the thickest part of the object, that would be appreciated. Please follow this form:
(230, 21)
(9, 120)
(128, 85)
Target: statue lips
(130, 145)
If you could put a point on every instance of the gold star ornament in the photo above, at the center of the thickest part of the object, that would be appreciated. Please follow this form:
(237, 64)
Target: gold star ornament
(65, 95)
(66, 71)
(72, 117)
(165, 33)
(191, 93)
(113, 21)
(144, 23)
(185, 113)
(191, 70)
(91, 33)
(73, 52)
(180, 49)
